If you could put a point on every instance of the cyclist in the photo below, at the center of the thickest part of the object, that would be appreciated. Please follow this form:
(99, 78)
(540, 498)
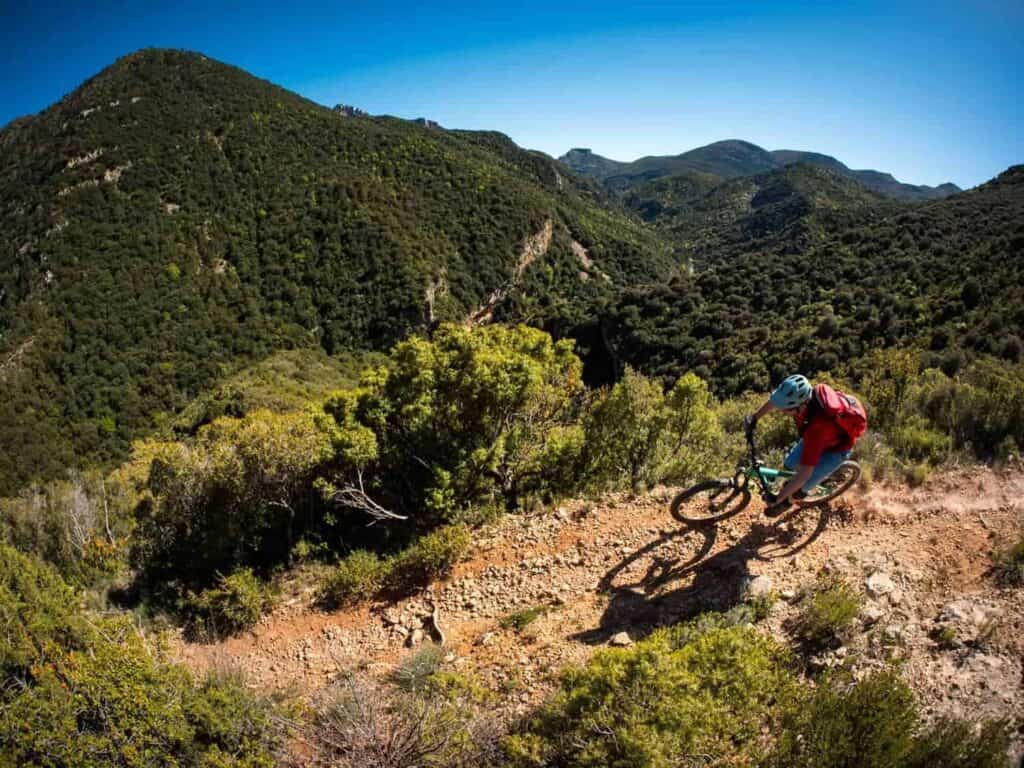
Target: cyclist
(829, 424)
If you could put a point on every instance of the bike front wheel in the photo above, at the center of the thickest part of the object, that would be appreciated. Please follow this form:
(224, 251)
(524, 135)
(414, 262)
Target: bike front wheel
(709, 502)
(833, 486)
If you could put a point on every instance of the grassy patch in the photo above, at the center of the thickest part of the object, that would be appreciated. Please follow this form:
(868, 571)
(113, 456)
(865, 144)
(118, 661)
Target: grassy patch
(520, 620)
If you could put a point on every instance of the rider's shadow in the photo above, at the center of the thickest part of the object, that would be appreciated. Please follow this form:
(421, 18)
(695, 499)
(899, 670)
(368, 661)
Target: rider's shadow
(718, 580)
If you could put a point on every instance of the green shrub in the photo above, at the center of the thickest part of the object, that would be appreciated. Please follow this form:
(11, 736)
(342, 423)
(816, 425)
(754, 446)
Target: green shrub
(914, 439)
(875, 723)
(636, 434)
(520, 620)
(39, 615)
(413, 673)
(80, 524)
(1008, 564)
(955, 744)
(357, 577)
(430, 557)
(866, 725)
(660, 704)
(226, 499)
(827, 609)
(124, 704)
(234, 605)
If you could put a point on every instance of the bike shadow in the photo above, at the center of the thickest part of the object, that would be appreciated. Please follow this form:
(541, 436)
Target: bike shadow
(716, 580)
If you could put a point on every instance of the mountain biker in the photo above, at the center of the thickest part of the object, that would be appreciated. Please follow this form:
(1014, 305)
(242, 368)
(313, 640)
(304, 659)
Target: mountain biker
(820, 416)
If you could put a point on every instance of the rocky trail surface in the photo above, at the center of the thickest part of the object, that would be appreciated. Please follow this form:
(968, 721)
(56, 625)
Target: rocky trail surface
(608, 572)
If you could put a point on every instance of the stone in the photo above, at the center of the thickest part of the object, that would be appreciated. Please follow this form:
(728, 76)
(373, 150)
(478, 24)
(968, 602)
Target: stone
(871, 614)
(621, 640)
(758, 586)
(416, 637)
(879, 584)
(788, 595)
(893, 633)
(965, 612)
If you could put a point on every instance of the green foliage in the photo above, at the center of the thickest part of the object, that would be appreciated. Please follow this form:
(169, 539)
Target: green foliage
(790, 293)
(955, 744)
(867, 725)
(827, 609)
(121, 705)
(234, 605)
(1008, 563)
(358, 576)
(39, 613)
(659, 703)
(520, 620)
(92, 691)
(80, 524)
(228, 498)
(414, 672)
(430, 557)
(638, 435)
(875, 723)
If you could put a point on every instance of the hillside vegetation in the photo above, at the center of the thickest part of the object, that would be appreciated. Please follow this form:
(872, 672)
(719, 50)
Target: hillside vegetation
(175, 218)
(941, 277)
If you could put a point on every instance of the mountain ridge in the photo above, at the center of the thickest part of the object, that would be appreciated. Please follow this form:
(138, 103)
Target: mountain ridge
(735, 157)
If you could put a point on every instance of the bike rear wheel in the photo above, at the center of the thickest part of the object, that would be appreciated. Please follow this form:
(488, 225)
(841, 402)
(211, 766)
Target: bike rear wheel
(709, 502)
(833, 486)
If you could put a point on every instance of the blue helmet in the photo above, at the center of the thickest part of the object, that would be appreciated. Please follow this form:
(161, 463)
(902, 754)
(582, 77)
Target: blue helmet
(793, 392)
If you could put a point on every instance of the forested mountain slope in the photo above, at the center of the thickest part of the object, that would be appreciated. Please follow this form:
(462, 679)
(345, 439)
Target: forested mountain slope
(174, 218)
(943, 277)
(789, 209)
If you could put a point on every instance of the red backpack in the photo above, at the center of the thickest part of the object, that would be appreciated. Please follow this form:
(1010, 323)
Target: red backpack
(845, 410)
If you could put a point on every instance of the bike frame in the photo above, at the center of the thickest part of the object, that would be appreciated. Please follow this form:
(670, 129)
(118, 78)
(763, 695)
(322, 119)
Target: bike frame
(757, 471)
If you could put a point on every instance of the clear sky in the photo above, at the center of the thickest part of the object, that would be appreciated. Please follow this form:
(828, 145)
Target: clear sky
(929, 91)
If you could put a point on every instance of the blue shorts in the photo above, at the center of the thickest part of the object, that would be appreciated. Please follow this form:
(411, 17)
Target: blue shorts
(829, 463)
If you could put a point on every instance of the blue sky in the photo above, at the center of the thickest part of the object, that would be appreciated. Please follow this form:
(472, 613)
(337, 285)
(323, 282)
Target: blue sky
(927, 91)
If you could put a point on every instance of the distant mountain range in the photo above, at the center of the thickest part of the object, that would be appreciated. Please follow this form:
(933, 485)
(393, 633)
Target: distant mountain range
(732, 158)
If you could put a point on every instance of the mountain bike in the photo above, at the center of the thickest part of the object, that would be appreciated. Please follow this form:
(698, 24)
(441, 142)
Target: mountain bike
(712, 500)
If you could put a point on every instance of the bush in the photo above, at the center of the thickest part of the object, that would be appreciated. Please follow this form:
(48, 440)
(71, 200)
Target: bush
(636, 435)
(866, 725)
(229, 498)
(659, 703)
(413, 673)
(827, 609)
(95, 692)
(234, 605)
(80, 525)
(367, 724)
(430, 557)
(1008, 564)
(39, 615)
(124, 704)
(914, 439)
(955, 744)
(875, 723)
(357, 577)
(464, 418)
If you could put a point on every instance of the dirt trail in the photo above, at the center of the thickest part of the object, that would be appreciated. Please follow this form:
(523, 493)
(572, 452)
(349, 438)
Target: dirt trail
(624, 565)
